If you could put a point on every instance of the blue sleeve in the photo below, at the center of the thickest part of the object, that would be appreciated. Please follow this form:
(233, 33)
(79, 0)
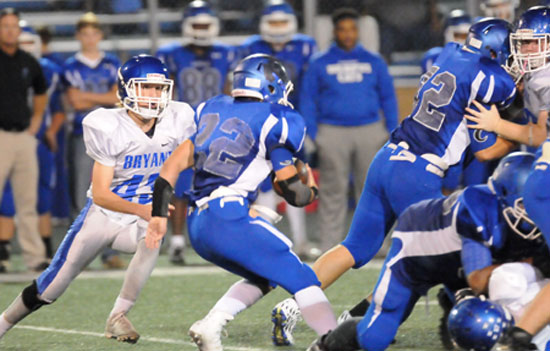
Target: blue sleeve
(497, 87)
(309, 93)
(289, 131)
(388, 100)
(280, 158)
(67, 80)
(481, 139)
(474, 256)
(55, 102)
(471, 215)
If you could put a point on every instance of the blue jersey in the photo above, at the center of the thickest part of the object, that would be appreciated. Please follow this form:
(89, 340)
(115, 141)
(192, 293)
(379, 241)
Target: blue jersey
(234, 142)
(52, 73)
(443, 240)
(198, 78)
(429, 58)
(437, 124)
(80, 73)
(294, 55)
(347, 88)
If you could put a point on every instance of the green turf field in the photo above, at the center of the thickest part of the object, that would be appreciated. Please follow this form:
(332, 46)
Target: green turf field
(173, 299)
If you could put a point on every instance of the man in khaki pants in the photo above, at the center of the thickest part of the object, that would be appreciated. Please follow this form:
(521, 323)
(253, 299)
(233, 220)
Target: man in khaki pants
(19, 72)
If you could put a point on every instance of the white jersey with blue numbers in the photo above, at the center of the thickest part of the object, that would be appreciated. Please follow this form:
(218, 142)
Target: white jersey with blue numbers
(113, 139)
(437, 124)
(234, 140)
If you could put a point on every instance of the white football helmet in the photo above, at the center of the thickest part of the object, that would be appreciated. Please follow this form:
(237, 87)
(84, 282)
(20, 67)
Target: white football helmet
(200, 24)
(278, 22)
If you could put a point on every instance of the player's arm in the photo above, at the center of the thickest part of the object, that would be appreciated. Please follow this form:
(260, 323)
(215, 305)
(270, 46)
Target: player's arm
(289, 183)
(39, 106)
(181, 159)
(500, 148)
(84, 100)
(532, 134)
(476, 261)
(102, 177)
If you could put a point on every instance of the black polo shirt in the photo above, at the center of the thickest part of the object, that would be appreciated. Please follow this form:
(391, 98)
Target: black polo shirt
(18, 74)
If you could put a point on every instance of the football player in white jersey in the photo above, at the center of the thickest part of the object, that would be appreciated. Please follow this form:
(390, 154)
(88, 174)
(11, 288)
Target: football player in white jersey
(129, 146)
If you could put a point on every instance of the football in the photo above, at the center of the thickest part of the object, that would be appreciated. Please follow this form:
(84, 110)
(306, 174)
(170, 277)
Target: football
(302, 174)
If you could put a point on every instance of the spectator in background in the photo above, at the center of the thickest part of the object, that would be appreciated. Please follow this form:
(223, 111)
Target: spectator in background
(61, 202)
(45, 38)
(342, 93)
(406, 25)
(52, 120)
(200, 70)
(90, 78)
(19, 72)
(278, 38)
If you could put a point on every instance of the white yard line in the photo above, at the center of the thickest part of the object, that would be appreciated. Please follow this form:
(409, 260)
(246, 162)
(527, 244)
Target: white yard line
(144, 338)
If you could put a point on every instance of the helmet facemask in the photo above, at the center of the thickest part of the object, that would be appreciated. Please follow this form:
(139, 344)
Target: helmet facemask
(278, 27)
(519, 221)
(202, 29)
(146, 106)
(530, 61)
(499, 9)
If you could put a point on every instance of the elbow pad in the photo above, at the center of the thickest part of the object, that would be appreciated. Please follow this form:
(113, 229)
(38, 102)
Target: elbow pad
(162, 193)
(295, 192)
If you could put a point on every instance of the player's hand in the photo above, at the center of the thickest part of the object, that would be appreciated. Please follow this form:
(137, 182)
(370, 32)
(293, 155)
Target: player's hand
(51, 141)
(488, 120)
(146, 211)
(155, 232)
(545, 157)
(310, 178)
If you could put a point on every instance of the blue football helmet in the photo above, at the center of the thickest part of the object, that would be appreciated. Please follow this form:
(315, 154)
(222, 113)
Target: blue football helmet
(530, 43)
(477, 324)
(504, 9)
(278, 22)
(507, 182)
(457, 25)
(200, 24)
(139, 73)
(263, 77)
(489, 38)
(29, 40)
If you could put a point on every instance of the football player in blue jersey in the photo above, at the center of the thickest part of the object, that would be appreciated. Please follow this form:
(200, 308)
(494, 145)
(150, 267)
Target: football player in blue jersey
(240, 141)
(52, 121)
(531, 52)
(426, 143)
(89, 78)
(279, 38)
(457, 24)
(129, 146)
(200, 70)
(457, 241)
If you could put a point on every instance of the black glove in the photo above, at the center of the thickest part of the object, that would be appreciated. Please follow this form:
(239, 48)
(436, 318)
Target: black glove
(517, 339)
(463, 294)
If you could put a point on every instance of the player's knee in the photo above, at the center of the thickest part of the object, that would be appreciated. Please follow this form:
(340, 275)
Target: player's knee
(31, 297)
(343, 338)
(304, 278)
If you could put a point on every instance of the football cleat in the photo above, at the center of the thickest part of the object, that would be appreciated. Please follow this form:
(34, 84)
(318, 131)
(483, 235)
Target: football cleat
(120, 328)
(343, 317)
(446, 305)
(206, 333)
(176, 255)
(284, 316)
